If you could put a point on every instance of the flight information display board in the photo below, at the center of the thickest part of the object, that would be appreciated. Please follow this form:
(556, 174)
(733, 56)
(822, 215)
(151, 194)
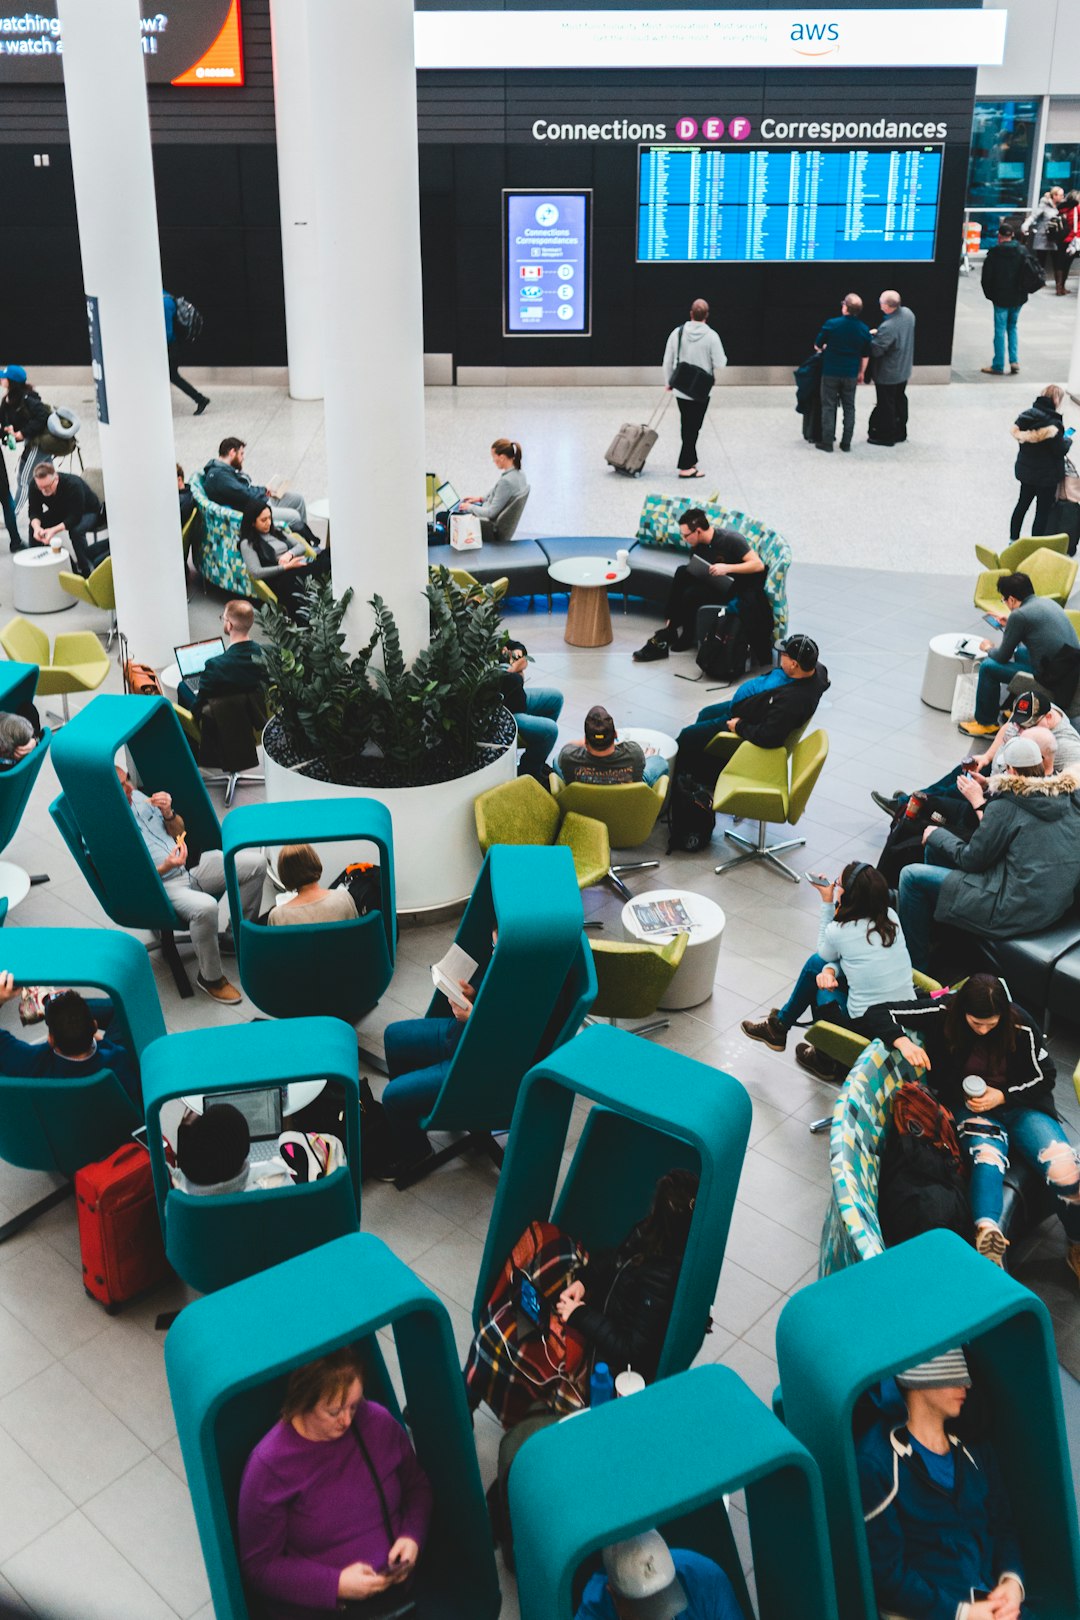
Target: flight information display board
(804, 204)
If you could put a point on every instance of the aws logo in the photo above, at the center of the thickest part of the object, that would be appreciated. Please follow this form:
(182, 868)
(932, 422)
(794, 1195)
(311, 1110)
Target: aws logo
(828, 34)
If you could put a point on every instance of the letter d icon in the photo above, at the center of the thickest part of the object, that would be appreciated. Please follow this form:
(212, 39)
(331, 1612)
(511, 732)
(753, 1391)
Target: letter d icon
(686, 129)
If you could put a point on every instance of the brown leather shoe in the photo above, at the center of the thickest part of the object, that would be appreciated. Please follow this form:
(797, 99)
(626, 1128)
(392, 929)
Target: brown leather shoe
(769, 1031)
(220, 990)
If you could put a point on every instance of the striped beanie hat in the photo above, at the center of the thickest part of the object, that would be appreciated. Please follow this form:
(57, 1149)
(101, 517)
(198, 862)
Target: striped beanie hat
(947, 1371)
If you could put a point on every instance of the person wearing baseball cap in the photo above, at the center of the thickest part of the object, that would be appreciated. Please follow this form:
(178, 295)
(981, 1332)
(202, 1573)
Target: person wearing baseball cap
(645, 1579)
(939, 1527)
(1017, 871)
(24, 417)
(600, 759)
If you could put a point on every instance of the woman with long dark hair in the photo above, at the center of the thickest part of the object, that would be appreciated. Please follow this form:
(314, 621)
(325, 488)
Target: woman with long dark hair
(25, 416)
(277, 556)
(861, 959)
(977, 1032)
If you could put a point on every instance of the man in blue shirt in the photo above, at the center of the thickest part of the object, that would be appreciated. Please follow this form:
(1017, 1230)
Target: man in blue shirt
(845, 342)
(644, 1579)
(75, 1045)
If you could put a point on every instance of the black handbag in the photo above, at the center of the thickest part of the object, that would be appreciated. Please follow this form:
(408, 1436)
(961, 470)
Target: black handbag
(690, 379)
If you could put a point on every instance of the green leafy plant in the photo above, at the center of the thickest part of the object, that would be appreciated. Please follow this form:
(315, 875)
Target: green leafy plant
(387, 721)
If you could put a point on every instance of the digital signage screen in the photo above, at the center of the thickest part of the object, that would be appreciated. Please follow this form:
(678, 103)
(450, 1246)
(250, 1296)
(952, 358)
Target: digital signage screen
(547, 239)
(800, 204)
(189, 42)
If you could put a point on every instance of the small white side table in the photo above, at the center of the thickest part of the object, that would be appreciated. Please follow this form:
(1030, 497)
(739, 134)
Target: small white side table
(14, 882)
(943, 665)
(663, 744)
(37, 587)
(170, 680)
(693, 981)
(588, 620)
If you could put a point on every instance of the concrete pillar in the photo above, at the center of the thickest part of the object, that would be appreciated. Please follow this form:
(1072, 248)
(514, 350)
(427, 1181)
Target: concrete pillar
(362, 64)
(297, 116)
(1074, 359)
(105, 86)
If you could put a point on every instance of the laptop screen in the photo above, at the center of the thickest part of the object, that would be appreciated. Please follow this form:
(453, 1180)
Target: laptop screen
(261, 1109)
(192, 657)
(448, 495)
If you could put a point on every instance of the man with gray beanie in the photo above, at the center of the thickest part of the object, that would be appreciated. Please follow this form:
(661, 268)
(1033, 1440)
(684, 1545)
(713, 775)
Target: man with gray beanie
(939, 1527)
(645, 1579)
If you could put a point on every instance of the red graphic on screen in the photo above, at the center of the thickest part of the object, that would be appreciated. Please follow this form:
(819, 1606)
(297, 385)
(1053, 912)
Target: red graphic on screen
(223, 61)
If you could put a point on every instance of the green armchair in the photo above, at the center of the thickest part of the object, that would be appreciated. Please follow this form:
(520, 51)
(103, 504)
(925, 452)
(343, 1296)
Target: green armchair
(761, 784)
(629, 811)
(520, 812)
(1051, 574)
(77, 661)
(1016, 554)
(96, 590)
(632, 978)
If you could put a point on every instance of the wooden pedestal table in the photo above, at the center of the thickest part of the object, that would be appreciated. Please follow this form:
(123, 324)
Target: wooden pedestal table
(588, 621)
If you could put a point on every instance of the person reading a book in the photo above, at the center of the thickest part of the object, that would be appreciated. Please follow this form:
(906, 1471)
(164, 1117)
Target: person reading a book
(722, 566)
(600, 759)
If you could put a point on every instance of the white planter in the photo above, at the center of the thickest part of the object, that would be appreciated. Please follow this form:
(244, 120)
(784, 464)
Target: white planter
(436, 855)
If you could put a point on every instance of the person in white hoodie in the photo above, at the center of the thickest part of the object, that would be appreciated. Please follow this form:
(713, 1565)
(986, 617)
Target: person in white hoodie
(693, 343)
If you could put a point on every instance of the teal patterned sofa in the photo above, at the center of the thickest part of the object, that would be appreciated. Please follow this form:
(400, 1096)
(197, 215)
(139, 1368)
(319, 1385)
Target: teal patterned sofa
(860, 1119)
(658, 528)
(219, 553)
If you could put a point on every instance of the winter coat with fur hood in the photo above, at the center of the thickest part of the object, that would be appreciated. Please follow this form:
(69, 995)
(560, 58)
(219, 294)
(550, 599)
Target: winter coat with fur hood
(1040, 433)
(1018, 871)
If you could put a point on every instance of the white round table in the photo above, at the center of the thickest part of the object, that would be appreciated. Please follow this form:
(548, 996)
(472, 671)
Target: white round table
(320, 511)
(299, 1094)
(648, 738)
(170, 680)
(943, 664)
(693, 981)
(37, 587)
(14, 882)
(588, 621)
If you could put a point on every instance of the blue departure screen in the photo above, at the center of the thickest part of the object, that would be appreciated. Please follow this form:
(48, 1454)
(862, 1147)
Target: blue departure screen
(766, 204)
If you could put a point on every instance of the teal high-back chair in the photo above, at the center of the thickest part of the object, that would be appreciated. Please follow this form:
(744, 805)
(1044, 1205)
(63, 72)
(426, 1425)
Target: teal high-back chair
(214, 1241)
(228, 1358)
(534, 989)
(95, 819)
(847, 1332)
(337, 968)
(657, 1111)
(664, 1459)
(60, 1125)
(18, 682)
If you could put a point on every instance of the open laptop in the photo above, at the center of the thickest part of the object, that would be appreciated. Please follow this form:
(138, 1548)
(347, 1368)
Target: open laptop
(448, 497)
(193, 657)
(262, 1110)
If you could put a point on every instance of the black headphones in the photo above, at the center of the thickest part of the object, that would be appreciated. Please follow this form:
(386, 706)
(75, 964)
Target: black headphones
(857, 868)
(802, 650)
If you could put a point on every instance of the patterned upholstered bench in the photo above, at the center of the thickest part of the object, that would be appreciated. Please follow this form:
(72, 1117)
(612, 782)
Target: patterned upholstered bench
(219, 554)
(658, 533)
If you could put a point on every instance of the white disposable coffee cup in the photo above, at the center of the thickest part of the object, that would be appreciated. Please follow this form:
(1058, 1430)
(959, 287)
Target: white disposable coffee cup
(629, 1383)
(623, 559)
(974, 1086)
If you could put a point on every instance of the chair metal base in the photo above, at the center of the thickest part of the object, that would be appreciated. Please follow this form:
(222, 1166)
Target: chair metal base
(761, 851)
(475, 1141)
(54, 719)
(18, 1222)
(614, 876)
(232, 780)
(636, 1029)
(819, 1126)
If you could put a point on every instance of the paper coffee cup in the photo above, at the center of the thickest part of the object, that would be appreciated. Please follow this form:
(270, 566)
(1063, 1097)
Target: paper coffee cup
(622, 558)
(629, 1383)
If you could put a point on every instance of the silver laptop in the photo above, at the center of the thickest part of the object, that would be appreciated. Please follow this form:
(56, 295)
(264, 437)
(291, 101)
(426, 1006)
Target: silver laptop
(448, 496)
(193, 657)
(262, 1110)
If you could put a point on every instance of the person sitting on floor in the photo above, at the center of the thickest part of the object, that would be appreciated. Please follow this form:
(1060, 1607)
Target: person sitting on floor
(612, 1306)
(535, 709)
(239, 668)
(213, 1155)
(300, 868)
(645, 1579)
(226, 482)
(724, 564)
(277, 557)
(1017, 872)
(17, 739)
(75, 1046)
(859, 932)
(334, 1507)
(1034, 632)
(600, 759)
(939, 1528)
(977, 1030)
(764, 710)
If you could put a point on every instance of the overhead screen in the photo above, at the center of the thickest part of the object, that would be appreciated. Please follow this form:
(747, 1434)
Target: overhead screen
(801, 204)
(189, 42)
(546, 242)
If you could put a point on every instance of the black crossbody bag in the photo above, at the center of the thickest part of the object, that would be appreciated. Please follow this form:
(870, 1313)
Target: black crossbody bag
(688, 378)
(395, 1603)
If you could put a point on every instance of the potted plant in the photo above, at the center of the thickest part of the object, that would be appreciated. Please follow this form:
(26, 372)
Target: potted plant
(423, 737)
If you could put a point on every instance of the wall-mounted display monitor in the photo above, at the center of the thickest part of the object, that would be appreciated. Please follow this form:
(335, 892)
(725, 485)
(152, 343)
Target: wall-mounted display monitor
(800, 204)
(547, 263)
(190, 42)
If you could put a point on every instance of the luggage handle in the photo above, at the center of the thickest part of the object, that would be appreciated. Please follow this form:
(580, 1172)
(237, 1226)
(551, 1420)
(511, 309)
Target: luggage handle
(658, 413)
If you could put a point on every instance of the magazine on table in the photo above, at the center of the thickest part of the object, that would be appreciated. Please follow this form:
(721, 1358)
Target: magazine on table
(662, 917)
(456, 964)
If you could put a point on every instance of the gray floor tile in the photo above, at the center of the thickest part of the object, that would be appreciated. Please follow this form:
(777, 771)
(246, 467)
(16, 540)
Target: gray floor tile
(22, 1355)
(73, 1569)
(146, 1515)
(38, 1288)
(30, 1503)
(126, 1371)
(79, 1443)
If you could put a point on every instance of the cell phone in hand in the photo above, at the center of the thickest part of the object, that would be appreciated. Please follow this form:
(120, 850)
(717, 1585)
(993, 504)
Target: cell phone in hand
(992, 620)
(818, 879)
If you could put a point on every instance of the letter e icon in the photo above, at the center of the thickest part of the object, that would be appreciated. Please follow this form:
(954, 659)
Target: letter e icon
(712, 129)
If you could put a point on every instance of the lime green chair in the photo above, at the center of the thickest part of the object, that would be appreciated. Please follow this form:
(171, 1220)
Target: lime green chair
(629, 811)
(632, 977)
(96, 590)
(76, 663)
(466, 581)
(1016, 554)
(759, 783)
(724, 744)
(520, 812)
(1050, 574)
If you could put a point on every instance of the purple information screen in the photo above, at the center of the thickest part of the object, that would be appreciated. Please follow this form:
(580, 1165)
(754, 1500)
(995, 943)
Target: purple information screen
(547, 263)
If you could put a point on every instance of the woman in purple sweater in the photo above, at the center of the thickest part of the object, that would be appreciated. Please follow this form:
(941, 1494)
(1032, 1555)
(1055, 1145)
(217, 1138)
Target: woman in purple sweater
(334, 1506)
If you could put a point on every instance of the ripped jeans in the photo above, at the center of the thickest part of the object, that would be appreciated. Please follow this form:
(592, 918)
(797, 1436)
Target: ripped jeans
(1034, 1136)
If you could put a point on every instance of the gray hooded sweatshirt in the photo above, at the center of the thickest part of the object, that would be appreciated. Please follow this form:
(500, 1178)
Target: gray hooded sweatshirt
(701, 346)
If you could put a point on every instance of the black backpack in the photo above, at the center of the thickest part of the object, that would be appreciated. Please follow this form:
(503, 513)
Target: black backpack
(691, 815)
(364, 884)
(188, 319)
(724, 648)
(1032, 275)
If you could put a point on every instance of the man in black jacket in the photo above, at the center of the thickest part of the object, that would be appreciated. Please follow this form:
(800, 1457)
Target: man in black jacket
(765, 710)
(1002, 273)
(62, 504)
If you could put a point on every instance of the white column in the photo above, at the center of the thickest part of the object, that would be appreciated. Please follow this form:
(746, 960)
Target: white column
(1074, 361)
(363, 68)
(297, 115)
(105, 85)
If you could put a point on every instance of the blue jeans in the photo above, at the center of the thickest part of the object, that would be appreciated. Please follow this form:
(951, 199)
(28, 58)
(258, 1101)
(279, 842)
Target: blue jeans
(1005, 326)
(918, 897)
(537, 731)
(807, 995)
(992, 677)
(1034, 1137)
(419, 1052)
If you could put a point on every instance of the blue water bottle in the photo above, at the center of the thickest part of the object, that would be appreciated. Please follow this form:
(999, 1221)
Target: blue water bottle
(601, 1385)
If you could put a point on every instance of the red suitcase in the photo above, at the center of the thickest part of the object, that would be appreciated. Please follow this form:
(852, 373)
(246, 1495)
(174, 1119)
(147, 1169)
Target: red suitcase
(119, 1233)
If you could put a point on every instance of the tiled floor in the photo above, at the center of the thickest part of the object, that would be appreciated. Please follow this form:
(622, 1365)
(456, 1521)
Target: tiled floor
(94, 1518)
